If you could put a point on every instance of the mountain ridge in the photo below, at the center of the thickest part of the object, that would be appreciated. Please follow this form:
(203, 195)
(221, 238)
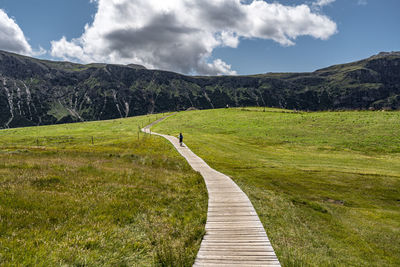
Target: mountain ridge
(40, 92)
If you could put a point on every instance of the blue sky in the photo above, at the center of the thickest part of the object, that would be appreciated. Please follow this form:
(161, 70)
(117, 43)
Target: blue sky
(45, 20)
(363, 28)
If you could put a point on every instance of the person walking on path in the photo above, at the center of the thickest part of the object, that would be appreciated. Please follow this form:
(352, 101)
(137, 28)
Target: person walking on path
(180, 139)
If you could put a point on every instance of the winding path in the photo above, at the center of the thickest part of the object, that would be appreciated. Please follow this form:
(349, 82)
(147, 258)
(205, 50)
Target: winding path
(234, 235)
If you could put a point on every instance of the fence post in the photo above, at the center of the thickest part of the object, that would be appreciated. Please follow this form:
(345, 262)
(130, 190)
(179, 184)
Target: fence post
(92, 141)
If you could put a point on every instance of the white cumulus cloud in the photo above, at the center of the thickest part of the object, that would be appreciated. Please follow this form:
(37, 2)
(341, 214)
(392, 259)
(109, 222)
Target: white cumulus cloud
(322, 3)
(362, 2)
(12, 38)
(180, 35)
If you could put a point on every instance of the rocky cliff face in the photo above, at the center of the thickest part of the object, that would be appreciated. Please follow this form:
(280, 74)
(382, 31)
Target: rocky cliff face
(38, 92)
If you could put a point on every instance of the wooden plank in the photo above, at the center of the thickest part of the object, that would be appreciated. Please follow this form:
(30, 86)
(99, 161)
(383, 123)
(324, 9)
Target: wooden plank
(237, 258)
(269, 262)
(234, 235)
(208, 264)
(227, 239)
(219, 263)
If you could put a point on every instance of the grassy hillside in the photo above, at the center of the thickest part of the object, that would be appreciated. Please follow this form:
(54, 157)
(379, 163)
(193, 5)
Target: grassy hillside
(114, 200)
(40, 92)
(326, 185)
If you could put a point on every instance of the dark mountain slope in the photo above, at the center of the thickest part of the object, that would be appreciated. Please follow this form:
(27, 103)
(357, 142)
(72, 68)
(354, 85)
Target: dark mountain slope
(37, 92)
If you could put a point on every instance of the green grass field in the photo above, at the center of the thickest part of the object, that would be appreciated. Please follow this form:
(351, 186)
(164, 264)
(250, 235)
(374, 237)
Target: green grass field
(326, 185)
(121, 200)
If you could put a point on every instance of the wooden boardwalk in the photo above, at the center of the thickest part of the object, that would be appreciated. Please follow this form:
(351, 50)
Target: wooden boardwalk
(234, 235)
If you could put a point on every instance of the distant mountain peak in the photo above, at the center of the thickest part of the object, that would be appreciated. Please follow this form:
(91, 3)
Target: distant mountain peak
(136, 66)
(393, 53)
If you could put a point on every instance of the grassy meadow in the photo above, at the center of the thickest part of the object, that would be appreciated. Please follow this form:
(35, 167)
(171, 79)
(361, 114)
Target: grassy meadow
(326, 185)
(97, 194)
